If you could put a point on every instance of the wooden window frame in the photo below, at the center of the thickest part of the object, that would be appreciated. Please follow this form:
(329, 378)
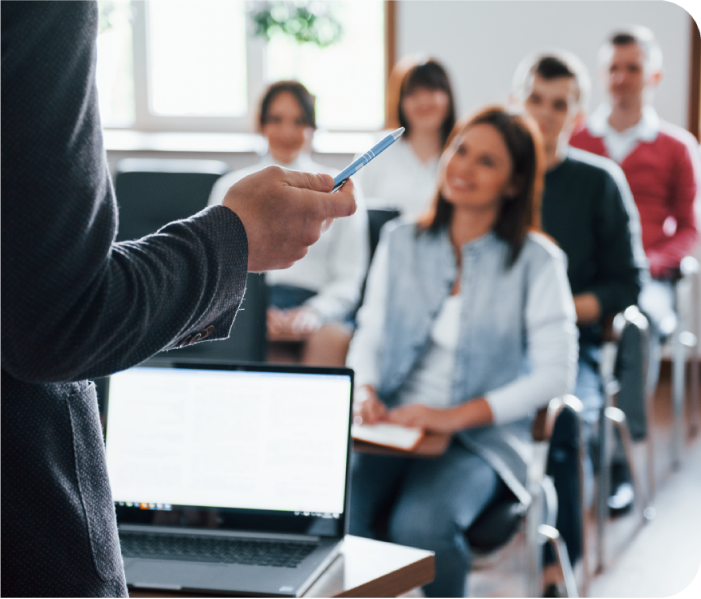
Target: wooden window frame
(694, 118)
(390, 43)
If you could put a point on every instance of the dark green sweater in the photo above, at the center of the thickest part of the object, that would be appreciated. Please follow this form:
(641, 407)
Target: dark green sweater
(589, 211)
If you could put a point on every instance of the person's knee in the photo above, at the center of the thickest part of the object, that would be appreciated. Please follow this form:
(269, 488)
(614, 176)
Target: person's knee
(425, 526)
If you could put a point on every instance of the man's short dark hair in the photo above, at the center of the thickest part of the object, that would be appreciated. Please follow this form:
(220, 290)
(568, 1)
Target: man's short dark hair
(643, 37)
(551, 65)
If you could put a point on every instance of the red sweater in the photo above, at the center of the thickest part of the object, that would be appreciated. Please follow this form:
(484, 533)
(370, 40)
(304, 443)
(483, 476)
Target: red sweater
(664, 177)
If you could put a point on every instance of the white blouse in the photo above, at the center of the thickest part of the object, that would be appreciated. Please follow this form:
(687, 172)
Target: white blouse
(398, 179)
(335, 265)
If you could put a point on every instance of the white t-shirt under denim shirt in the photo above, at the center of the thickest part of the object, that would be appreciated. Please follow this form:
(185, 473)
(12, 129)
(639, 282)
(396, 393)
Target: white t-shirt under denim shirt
(334, 266)
(430, 382)
(397, 179)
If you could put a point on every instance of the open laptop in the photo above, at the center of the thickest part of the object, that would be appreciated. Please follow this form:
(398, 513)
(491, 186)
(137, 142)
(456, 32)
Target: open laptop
(229, 479)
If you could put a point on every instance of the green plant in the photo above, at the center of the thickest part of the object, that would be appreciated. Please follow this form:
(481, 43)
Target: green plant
(304, 21)
(111, 13)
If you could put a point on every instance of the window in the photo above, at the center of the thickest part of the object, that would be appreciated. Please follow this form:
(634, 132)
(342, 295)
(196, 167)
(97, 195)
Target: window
(196, 66)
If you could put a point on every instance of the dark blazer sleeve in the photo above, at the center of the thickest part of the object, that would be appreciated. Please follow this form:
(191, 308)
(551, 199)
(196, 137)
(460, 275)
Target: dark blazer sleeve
(77, 305)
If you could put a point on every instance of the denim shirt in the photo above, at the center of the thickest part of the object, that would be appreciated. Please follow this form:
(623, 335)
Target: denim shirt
(494, 336)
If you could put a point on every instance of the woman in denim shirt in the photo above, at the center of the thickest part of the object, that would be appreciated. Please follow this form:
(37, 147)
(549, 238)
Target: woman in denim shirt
(468, 327)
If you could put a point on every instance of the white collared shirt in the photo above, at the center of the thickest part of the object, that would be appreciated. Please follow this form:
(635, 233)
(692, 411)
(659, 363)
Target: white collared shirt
(335, 265)
(621, 143)
(397, 179)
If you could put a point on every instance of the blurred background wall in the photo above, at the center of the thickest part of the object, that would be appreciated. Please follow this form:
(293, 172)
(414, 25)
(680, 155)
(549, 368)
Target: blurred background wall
(482, 42)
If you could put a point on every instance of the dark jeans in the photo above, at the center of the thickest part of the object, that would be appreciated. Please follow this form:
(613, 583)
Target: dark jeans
(424, 503)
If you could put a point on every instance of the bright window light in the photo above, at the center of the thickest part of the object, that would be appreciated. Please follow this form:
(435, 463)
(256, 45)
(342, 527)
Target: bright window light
(347, 78)
(197, 55)
(115, 64)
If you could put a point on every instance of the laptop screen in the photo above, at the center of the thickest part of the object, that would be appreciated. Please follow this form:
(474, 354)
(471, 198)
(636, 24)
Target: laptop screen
(246, 439)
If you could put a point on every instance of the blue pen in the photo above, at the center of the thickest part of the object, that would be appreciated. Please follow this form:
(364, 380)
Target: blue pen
(356, 165)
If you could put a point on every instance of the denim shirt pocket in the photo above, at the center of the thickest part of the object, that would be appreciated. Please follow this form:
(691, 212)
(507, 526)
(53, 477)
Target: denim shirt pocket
(93, 482)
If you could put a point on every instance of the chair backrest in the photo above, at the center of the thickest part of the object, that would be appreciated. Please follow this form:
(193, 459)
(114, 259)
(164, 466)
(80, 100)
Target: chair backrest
(564, 468)
(632, 336)
(558, 425)
(246, 343)
(376, 220)
(153, 192)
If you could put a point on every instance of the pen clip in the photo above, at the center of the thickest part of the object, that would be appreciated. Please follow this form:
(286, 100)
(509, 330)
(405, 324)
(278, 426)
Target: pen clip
(341, 184)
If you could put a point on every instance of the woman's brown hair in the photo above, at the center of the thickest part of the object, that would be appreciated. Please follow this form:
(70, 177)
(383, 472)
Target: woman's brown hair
(301, 94)
(519, 213)
(409, 74)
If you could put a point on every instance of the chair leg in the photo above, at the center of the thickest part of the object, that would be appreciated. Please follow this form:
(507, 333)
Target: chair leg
(695, 322)
(694, 390)
(618, 418)
(551, 536)
(678, 392)
(534, 549)
(604, 476)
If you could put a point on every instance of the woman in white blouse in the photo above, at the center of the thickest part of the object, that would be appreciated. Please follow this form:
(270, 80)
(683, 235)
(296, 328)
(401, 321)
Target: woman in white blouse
(311, 300)
(420, 99)
(468, 326)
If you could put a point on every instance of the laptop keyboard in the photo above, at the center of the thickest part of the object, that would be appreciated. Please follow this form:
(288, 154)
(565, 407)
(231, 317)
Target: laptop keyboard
(283, 554)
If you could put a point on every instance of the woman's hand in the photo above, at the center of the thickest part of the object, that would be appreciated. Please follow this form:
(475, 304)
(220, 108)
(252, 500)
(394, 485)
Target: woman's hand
(420, 416)
(303, 321)
(276, 323)
(444, 420)
(292, 325)
(367, 408)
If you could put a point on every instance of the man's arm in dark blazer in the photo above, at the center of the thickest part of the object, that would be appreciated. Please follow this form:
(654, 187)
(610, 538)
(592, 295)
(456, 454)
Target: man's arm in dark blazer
(75, 304)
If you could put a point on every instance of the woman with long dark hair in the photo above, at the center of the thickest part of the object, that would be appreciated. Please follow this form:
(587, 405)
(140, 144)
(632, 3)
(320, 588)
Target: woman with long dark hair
(420, 99)
(468, 327)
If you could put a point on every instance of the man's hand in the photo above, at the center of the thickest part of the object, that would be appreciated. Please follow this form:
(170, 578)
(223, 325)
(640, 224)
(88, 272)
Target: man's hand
(283, 213)
(587, 307)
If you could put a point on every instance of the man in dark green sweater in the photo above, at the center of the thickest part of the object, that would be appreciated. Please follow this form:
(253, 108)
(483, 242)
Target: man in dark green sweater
(589, 210)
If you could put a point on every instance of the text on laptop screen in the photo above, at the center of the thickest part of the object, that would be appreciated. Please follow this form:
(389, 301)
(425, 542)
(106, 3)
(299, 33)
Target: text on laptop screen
(229, 439)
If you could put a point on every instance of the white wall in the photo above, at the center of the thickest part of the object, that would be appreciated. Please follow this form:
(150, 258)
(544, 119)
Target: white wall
(481, 42)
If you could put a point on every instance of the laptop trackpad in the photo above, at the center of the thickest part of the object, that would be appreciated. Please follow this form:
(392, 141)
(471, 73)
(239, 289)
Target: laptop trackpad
(167, 574)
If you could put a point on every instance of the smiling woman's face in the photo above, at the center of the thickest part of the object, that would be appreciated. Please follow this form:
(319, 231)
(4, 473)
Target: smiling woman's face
(285, 128)
(478, 169)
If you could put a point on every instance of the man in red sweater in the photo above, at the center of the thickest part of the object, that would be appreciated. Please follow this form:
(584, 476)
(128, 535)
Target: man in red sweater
(660, 161)
(661, 164)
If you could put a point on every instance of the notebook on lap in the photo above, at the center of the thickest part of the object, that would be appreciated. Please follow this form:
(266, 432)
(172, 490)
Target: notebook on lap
(229, 479)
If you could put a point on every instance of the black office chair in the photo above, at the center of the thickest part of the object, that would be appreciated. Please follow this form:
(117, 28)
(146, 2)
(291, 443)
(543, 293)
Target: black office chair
(247, 341)
(616, 415)
(557, 428)
(152, 192)
(684, 344)
(376, 220)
